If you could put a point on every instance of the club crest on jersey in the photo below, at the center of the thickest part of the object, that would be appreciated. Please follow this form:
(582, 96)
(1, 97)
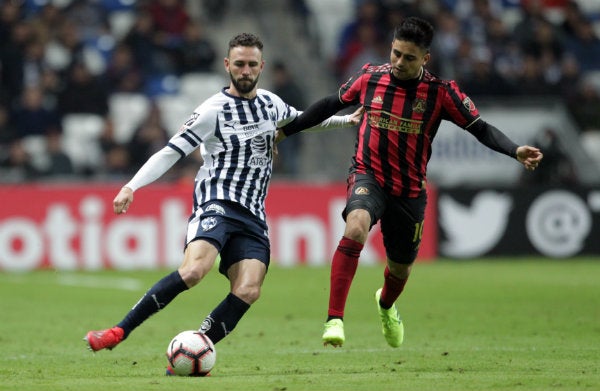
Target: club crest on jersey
(208, 223)
(259, 152)
(419, 105)
(468, 103)
(361, 191)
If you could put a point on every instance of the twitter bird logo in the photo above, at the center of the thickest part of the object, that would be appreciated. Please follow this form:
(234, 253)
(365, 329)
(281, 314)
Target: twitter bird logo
(473, 230)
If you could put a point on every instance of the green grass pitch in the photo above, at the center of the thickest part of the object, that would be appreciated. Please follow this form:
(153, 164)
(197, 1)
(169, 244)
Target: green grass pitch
(521, 324)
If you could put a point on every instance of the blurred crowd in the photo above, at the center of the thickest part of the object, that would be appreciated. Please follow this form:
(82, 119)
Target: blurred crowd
(499, 48)
(64, 58)
(492, 47)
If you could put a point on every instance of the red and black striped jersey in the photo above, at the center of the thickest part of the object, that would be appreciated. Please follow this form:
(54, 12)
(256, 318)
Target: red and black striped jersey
(401, 119)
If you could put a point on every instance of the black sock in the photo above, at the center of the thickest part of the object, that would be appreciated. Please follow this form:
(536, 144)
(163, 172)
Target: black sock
(223, 319)
(334, 317)
(153, 301)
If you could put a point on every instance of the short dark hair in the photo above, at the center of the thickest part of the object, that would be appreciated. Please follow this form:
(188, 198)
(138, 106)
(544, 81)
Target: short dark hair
(415, 30)
(245, 39)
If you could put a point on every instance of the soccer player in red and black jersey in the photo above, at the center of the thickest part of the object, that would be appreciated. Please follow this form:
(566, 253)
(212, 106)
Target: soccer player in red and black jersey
(404, 105)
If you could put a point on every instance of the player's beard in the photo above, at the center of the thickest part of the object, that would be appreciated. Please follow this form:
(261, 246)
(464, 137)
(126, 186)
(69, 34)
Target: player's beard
(243, 86)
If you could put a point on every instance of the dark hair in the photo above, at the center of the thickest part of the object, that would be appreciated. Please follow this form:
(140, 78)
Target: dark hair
(415, 30)
(245, 39)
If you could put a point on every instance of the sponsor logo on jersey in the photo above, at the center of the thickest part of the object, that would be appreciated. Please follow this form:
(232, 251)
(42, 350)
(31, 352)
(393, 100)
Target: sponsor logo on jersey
(259, 145)
(258, 161)
(387, 121)
(379, 68)
(187, 124)
(216, 208)
(191, 120)
(250, 127)
(259, 152)
(230, 124)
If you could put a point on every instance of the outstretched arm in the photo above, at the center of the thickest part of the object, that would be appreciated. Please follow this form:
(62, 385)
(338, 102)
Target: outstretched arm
(493, 138)
(339, 121)
(314, 114)
(154, 168)
(333, 122)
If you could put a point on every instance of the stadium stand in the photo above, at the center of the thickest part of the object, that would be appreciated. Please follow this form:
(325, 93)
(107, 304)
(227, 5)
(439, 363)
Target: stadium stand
(532, 47)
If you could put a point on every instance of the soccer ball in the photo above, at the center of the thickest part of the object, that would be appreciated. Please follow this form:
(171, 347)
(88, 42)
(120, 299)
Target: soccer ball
(191, 353)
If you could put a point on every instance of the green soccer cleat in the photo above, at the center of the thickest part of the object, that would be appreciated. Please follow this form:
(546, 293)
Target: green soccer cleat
(334, 333)
(391, 324)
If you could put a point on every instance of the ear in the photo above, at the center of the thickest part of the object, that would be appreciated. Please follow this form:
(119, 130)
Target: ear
(226, 63)
(426, 58)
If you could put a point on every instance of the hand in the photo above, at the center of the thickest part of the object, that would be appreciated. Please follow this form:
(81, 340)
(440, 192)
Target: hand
(530, 157)
(123, 200)
(356, 117)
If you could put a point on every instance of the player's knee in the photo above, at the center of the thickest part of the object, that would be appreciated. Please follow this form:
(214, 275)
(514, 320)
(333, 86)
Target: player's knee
(357, 225)
(248, 293)
(192, 273)
(190, 277)
(400, 270)
(356, 232)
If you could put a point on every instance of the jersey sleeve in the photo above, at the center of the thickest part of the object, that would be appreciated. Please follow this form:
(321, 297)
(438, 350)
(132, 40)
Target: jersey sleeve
(349, 92)
(185, 141)
(285, 112)
(314, 115)
(458, 107)
(195, 130)
(154, 168)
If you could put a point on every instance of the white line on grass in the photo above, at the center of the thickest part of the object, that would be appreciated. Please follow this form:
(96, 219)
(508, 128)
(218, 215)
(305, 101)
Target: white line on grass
(123, 283)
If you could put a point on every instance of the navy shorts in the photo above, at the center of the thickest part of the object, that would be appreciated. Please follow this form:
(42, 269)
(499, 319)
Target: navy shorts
(233, 230)
(401, 217)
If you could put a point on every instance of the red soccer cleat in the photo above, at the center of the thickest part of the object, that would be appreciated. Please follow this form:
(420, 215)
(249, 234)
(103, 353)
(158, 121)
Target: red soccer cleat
(104, 339)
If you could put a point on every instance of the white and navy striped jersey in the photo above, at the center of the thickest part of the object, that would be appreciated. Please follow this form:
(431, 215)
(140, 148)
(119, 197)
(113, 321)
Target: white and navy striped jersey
(237, 136)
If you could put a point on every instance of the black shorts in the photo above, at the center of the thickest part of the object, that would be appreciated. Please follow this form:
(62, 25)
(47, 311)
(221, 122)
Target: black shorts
(401, 217)
(233, 230)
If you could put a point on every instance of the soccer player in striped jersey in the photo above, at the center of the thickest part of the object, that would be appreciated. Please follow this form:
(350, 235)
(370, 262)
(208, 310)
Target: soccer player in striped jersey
(236, 129)
(404, 105)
